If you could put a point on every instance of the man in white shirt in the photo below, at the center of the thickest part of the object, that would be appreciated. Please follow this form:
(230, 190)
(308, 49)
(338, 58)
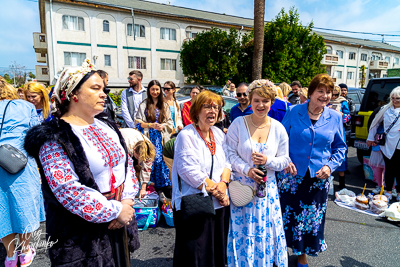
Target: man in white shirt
(132, 97)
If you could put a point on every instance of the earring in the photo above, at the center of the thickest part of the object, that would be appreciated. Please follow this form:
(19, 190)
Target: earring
(75, 99)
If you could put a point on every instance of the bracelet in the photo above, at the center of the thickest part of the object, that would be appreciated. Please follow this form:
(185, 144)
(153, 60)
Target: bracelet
(148, 125)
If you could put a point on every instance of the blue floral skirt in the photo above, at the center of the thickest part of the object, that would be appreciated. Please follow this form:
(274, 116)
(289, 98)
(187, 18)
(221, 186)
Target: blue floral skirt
(303, 203)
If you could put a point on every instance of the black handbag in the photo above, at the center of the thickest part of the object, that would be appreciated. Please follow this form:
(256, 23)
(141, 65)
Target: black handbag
(196, 205)
(11, 159)
(380, 137)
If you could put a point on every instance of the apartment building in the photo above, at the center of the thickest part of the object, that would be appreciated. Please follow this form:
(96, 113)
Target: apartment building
(122, 35)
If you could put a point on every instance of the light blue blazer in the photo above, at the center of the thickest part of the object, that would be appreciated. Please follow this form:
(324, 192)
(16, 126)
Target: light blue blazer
(313, 146)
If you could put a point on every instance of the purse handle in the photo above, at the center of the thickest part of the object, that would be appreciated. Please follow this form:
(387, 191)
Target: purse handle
(4, 115)
(388, 129)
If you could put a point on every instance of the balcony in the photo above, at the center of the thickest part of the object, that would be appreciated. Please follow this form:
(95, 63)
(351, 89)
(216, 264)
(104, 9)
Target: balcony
(39, 42)
(41, 57)
(42, 73)
(378, 65)
(330, 59)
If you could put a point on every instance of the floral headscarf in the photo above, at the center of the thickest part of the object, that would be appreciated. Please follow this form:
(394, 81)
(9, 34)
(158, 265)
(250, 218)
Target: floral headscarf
(69, 79)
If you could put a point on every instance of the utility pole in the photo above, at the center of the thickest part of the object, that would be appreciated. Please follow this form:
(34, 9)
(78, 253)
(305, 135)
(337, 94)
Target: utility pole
(13, 67)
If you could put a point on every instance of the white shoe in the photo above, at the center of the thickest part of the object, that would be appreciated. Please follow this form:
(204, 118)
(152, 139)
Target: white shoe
(389, 196)
(377, 190)
(394, 192)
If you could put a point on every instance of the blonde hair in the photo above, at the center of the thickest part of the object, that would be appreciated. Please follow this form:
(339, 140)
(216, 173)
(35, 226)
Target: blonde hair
(304, 92)
(279, 93)
(285, 88)
(145, 150)
(7, 91)
(37, 88)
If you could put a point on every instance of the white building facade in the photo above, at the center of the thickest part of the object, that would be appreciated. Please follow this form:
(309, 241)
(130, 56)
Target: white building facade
(148, 37)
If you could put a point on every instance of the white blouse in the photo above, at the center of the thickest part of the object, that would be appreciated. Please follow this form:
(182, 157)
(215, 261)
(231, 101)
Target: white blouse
(238, 141)
(106, 156)
(393, 137)
(192, 161)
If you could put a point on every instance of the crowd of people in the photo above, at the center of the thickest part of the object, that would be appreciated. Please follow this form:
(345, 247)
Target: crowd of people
(277, 148)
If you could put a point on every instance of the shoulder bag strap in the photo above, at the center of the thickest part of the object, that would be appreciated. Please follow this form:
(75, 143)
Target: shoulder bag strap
(386, 132)
(4, 115)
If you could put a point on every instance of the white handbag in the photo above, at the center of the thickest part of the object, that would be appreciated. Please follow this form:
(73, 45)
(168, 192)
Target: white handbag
(240, 194)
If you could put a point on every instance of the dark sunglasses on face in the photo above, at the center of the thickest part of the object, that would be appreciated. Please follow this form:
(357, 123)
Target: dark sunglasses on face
(167, 89)
(241, 94)
(337, 95)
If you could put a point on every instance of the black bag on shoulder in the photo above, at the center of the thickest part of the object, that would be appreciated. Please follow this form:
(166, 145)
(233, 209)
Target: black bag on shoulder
(11, 159)
(380, 137)
(197, 205)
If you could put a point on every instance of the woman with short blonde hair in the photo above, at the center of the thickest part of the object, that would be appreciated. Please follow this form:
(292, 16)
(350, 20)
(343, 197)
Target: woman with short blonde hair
(285, 89)
(37, 94)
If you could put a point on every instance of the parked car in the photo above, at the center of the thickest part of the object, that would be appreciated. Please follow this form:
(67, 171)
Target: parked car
(376, 95)
(185, 90)
(356, 94)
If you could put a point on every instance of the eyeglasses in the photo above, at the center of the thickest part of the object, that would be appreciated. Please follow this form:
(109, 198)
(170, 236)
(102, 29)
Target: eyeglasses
(167, 89)
(130, 79)
(209, 107)
(241, 94)
(337, 95)
(395, 98)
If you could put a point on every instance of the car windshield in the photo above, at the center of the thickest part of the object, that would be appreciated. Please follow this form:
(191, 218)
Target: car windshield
(379, 94)
(229, 103)
(354, 97)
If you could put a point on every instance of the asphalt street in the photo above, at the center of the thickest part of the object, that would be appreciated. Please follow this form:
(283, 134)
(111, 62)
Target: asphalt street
(354, 239)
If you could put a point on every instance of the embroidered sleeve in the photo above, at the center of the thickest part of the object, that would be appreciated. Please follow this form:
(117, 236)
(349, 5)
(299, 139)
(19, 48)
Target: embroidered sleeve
(131, 182)
(79, 199)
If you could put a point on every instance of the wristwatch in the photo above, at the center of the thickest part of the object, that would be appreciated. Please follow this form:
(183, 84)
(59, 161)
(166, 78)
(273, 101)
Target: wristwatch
(227, 183)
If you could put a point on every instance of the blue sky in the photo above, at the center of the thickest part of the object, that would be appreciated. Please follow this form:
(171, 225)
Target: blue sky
(20, 18)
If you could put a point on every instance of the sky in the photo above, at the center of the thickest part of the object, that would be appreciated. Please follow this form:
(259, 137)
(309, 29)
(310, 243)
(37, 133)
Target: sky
(20, 18)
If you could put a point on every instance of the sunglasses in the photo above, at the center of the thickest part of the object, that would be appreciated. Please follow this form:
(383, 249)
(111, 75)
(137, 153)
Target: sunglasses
(337, 95)
(167, 89)
(241, 94)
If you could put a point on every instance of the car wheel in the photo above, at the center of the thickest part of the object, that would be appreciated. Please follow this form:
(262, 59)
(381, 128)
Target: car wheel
(361, 153)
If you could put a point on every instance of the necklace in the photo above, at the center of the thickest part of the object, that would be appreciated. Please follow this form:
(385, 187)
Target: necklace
(257, 127)
(315, 114)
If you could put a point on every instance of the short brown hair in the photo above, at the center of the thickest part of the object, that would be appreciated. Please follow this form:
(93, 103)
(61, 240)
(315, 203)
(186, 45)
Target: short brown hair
(320, 80)
(263, 91)
(138, 74)
(296, 83)
(205, 97)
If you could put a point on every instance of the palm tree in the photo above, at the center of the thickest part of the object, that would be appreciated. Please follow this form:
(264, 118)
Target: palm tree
(259, 10)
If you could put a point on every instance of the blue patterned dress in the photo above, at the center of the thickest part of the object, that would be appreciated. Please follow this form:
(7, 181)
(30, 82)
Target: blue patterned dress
(304, 201)
(160, 172)
(256, 236)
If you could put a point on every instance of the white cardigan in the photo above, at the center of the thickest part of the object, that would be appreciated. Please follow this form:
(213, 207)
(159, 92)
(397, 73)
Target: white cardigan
(192, 161)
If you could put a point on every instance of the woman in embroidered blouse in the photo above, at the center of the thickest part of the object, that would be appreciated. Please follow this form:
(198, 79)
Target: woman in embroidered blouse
(201, 241)
(316, 149)
(176, 114)
(154, 120)
(339, 103)
(88, 178)
(254, 140)
(36, 94)
(186, 107)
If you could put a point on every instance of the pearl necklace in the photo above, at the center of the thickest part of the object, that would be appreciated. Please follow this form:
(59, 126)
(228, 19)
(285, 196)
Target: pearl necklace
(257, 127)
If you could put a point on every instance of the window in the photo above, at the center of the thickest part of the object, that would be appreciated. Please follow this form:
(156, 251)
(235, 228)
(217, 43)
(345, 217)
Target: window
(375, 57)
(137, 63)
(191, 34)
(352, 55)
(339, 53)
(338, 74)
(73, 23)
(43, 54)
(167, 34)
(387, 59)
(364, 57)
(168, 64)
(107, 60)
(106, 26)
(73, 58)
(42, 38)
(45, 71)
(328, 50)
(140, 30)
(350, 75)
(396, 60)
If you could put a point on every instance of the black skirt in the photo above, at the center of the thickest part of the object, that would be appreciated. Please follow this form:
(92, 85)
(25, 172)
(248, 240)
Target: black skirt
(201, 241)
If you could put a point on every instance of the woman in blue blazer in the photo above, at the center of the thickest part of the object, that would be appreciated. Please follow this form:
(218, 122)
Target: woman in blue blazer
(316, 148)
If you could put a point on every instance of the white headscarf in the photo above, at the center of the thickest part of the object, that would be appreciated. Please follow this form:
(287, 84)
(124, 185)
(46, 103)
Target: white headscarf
(69, 79)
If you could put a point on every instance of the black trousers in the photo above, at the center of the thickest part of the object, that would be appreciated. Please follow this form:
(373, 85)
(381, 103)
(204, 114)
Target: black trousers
(391, 171)
(201, 242)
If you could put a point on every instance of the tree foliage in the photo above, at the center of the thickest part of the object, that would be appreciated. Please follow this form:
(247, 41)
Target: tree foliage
(291, 52)
(211, 57)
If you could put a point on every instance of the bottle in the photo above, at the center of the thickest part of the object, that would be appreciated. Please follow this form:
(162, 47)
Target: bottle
(260, 191)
